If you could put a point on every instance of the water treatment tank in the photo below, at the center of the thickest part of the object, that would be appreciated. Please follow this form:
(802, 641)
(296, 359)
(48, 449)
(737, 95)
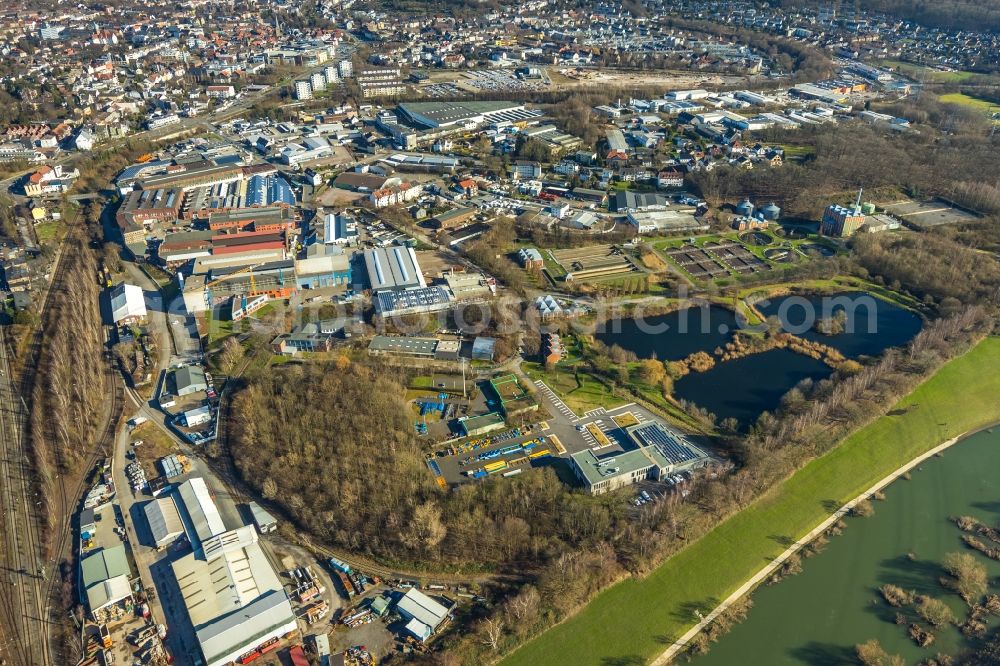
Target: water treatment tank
(771, 211)
(744, 208)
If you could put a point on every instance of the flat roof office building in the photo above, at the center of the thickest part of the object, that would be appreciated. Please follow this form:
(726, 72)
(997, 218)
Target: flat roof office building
(659, 453)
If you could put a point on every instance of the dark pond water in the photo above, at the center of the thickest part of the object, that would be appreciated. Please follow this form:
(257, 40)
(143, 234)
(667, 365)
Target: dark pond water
(671, 336)
(745, 387)
(871, 327)
(817, 617)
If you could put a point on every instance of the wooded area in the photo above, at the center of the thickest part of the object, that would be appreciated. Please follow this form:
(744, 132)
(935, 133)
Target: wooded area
(69, 385)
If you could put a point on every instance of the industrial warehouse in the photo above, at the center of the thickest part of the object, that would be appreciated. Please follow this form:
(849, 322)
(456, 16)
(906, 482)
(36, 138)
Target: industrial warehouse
(461, 115)
(232, 595)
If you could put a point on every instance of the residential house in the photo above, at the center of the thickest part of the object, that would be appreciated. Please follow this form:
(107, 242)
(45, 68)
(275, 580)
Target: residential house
(670, 178)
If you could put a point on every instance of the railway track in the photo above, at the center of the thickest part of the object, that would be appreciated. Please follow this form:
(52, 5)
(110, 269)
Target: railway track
(23, 589)
(29, 611)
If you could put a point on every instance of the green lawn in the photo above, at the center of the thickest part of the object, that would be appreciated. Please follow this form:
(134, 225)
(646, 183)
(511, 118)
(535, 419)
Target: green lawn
(972, 102)
(422, 382)
(555, 269)
(48, 231)
(581, 397)
(635, 620)
(921, 73)
(798, 152)
(218, 329)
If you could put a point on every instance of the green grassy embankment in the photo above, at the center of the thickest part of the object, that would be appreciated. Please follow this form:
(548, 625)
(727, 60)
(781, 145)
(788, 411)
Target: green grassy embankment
(637, 619)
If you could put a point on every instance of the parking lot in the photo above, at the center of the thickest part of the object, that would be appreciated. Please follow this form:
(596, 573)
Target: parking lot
(507, 451)
(443, 90)
(501, 80)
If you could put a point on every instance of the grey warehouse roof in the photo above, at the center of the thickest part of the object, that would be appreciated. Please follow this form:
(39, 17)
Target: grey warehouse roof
(393, 268)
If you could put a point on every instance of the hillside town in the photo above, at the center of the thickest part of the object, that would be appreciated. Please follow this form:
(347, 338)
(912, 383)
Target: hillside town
(358, 332)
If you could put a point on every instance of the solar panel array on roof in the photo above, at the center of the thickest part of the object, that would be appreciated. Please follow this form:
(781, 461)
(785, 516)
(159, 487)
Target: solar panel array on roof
(392, 301)
(666, 442)
(513, 115)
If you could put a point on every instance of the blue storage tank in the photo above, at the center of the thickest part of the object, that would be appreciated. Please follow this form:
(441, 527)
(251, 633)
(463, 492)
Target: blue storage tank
(744, 208)
(771, 211)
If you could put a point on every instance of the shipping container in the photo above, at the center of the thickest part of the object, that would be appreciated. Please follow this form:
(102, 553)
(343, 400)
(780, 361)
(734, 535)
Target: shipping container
(339, 565)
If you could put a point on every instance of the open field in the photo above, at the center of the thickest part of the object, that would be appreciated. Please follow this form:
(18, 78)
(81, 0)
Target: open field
(971, 102)
(609, 77)
(968, 100)
(921, 73)
(636, 619)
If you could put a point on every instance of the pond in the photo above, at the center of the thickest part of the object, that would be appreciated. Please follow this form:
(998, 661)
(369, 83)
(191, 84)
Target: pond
(742, 388)
(672, 336)
(818, 616)
(745, 387)
(871, 325)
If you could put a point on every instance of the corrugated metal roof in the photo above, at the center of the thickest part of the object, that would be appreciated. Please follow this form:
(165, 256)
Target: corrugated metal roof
(246, 627)
(415, 604)
(202, 513)
(164, 521)
(104, 565)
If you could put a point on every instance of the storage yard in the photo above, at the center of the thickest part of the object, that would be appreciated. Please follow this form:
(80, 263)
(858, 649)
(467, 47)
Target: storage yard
(488, 446)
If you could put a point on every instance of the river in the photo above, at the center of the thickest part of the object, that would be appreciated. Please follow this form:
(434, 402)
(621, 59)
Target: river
(819, 615)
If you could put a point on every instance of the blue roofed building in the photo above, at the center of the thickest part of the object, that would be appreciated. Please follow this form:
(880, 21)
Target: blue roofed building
(268, 191)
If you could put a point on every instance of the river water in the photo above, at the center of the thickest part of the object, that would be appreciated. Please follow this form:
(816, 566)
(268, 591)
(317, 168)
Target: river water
(819, 615)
